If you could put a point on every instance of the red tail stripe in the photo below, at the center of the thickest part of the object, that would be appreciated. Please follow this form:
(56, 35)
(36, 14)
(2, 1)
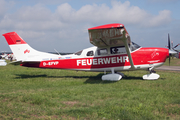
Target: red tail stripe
(13, 38)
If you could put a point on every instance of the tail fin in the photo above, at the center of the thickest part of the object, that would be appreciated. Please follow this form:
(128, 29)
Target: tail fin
(18, 46)
(21, 49)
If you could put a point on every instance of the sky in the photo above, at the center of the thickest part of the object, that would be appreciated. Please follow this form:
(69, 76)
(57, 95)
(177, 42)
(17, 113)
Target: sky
(63, 24)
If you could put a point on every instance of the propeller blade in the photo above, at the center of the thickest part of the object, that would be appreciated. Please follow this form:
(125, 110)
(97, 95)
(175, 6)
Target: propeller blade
(176, 45)
(169, 44)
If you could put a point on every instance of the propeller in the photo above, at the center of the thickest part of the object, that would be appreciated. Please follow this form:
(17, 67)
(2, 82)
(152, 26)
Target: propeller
(171, 50)
(170, 45)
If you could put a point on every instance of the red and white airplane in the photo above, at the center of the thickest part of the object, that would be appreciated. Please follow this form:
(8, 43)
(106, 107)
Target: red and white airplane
(113, 51)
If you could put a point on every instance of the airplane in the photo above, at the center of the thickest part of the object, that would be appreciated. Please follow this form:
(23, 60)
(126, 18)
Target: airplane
(113, 51)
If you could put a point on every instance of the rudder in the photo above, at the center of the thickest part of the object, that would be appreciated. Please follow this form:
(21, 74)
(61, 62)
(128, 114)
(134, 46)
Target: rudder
(18, 46)
(24, 52)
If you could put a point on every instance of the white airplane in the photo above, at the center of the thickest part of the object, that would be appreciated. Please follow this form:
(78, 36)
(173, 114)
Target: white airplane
(113, 51)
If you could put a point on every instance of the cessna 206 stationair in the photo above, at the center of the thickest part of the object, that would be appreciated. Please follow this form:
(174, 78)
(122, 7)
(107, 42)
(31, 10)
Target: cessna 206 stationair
(113, 51)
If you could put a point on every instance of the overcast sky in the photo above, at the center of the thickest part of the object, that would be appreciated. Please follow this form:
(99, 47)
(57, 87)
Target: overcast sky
(63, 24)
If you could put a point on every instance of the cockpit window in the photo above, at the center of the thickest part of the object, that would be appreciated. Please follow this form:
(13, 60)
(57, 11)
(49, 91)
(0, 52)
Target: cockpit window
(118, 50)
(134, 46)
(90, 53)
(78, 53)
(102, 51)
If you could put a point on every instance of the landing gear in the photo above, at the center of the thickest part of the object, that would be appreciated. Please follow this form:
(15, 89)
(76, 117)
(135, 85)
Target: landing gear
(112, 76)
(152, 75)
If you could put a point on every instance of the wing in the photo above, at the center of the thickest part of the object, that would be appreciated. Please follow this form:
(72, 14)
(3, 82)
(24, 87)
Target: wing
(108, 35)
(111, 35)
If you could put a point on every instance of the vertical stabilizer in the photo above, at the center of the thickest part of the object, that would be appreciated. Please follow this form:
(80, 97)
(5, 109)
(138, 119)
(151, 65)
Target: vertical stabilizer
(22, 51)
(18, 46)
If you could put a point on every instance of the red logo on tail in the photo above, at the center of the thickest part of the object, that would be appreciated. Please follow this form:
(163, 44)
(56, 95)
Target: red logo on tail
(26, 51)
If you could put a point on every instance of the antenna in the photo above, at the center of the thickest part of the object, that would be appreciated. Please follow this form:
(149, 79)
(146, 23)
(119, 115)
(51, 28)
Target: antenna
(57, 52)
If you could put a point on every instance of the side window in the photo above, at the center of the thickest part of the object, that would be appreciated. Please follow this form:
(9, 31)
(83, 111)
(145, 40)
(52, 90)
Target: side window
(90, 53)
(118, 50)
(102, 51)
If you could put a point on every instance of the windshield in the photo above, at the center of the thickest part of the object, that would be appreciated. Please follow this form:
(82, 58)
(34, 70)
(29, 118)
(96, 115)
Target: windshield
(134, 46)
(78, 53)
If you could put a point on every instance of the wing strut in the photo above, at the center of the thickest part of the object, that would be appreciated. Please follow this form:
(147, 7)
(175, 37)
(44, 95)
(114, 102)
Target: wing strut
(128, 50)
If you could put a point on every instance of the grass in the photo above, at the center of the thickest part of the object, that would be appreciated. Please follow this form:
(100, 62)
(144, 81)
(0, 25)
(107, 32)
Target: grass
(31, 93)
(173, 62)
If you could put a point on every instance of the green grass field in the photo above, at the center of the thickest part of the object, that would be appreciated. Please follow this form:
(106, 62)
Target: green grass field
(31, 93)
(173, 62)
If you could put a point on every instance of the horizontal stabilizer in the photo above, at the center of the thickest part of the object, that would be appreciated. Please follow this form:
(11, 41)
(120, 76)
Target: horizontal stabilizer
(26, 63)
(15, 62)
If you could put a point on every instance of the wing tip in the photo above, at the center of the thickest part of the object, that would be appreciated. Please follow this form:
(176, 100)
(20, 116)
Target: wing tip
(106, 26)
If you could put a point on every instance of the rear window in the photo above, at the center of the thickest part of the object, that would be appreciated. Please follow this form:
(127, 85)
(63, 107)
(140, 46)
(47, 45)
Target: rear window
(102, 51)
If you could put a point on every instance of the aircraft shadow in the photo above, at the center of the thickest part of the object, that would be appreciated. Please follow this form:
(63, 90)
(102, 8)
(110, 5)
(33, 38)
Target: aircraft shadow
(24, 76)
(90, 79)
(132, 78)
(98, 80)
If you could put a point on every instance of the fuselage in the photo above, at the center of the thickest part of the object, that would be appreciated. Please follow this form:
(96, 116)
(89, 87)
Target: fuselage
(104, 59)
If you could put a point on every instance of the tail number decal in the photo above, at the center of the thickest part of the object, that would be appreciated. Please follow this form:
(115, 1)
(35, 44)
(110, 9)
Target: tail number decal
(50, 63)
